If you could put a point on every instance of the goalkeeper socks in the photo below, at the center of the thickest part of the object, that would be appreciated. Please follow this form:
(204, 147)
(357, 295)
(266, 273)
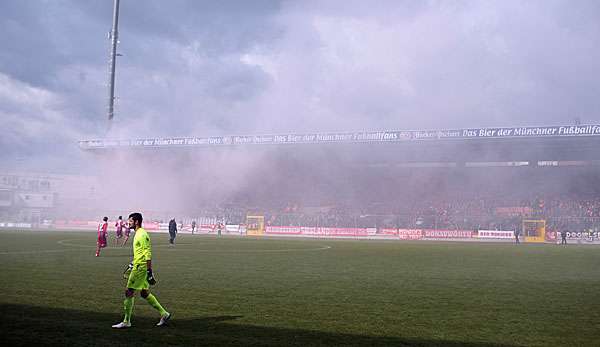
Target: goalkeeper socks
(128, 304)
(154, 303)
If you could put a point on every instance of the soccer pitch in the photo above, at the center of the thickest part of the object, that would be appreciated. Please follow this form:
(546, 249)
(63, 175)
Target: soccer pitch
(281, 292)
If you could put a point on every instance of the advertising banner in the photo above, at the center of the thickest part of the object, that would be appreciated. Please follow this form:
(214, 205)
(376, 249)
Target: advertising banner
(314, 231)
(311, 231)
(388, 232)
(495, 234)
(345, 231)
(410, 234)
(352, 137)
(16, 225)
(232, 228)
(447, 234)
(579, 237)
(206, 228)
(283, 230)
(402, 234)
(384, 233)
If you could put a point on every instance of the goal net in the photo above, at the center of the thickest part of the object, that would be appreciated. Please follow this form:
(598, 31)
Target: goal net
(534, 230)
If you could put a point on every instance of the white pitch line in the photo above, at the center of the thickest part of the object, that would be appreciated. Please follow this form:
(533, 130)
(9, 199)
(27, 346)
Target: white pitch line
(64, 243)
(260, 250)
(61, 242)
(40, 251)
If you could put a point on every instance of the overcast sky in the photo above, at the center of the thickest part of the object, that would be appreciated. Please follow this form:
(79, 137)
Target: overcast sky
(245, 67)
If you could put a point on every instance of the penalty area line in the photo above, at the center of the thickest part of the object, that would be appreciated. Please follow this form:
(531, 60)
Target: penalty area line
(175, 246)
(127, 246)
(284, 250)
(40, 251)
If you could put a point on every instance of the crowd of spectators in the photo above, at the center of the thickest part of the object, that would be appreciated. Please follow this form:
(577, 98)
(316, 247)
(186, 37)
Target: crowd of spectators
(560, 212)
(456, 214)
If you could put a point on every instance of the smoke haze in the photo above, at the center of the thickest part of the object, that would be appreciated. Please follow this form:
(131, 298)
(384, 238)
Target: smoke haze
(202, 68)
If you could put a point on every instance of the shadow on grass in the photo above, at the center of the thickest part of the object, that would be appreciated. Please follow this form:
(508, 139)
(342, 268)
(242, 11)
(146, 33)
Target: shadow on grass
(31, 325)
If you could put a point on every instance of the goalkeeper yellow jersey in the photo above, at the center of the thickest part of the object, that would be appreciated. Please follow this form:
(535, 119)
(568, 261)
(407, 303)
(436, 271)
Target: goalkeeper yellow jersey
(142, 250)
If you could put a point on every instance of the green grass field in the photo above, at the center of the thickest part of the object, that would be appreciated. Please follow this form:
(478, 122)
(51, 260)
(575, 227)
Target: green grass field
(281, 292)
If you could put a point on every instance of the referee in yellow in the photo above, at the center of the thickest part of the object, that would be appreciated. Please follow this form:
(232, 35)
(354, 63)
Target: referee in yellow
(141, 276)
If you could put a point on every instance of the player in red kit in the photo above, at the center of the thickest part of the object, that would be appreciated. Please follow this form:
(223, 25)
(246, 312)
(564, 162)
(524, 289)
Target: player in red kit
(102, 231)
(119, 225)
(126, 231)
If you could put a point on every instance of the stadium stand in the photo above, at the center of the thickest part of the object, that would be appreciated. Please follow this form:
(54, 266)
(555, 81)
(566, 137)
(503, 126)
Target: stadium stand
(461, 179)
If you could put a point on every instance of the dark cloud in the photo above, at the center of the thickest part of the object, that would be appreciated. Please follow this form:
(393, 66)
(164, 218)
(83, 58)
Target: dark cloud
(205, 67)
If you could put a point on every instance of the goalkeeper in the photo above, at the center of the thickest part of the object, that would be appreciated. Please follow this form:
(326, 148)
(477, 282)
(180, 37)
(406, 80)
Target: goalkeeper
(141, 274)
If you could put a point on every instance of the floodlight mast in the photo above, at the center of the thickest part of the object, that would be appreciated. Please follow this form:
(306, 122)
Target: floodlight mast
(114, 37)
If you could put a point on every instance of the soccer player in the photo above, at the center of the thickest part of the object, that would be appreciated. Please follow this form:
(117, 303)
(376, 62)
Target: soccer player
(563, 236)
(172, 231)
(141, 275)
(101, 243)
(119, 229)
(126, 231)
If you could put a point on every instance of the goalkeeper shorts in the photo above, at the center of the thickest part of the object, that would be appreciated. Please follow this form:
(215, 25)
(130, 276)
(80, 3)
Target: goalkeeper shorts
(138, 278)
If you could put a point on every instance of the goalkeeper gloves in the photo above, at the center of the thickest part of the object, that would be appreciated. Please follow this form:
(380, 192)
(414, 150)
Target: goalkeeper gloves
(127, 270)
(150, 277)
